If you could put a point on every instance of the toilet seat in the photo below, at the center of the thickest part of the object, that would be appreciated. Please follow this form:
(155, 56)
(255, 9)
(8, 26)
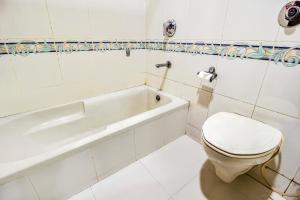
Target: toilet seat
(239, 156)
(240, 137)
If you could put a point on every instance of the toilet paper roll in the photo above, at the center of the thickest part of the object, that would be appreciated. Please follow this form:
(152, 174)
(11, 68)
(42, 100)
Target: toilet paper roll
(205, 75)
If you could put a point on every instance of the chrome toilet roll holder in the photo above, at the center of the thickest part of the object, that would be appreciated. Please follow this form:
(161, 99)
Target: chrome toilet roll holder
(212, 71)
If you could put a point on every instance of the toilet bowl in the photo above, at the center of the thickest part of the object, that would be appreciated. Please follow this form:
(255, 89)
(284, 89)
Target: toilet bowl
(234, 143)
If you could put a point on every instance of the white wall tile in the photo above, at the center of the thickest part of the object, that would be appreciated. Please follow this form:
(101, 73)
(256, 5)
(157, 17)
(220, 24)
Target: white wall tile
(153, 81)
(121, 14)
(206, 19)
(118, 71)
(9, 88)
(80, 67)
(65, 178)
(24, 20)
(39, 98)
(95, 73)
(172, 87)
(8, 76)
(18, 189)
(289, 160)
(252, 20)
(69, 19)
(31, 82)
(37, 71)
(224, 104)
(185, 67)
(289, 34)
(113, 154)
(153, 58)
(240, 79)
(193, 132)
(281, 90)
(199, 103)
(159, 12)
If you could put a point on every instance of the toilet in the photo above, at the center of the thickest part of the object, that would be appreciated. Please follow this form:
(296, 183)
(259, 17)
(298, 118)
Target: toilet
(234, 143)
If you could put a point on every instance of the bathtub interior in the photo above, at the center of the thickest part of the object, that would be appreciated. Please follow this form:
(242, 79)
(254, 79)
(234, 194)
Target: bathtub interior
(37, 132)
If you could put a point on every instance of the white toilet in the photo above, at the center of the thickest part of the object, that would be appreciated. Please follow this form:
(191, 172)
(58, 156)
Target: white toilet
(234, 144)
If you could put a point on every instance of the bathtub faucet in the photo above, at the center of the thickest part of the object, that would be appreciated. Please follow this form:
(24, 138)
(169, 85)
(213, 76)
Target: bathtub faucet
(167, 64)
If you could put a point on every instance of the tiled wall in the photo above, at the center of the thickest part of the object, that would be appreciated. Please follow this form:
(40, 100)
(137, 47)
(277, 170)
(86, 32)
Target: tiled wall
(255, 88)
(46, 79)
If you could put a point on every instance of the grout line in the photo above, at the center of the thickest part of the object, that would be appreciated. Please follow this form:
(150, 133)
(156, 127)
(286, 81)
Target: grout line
(149, 172)
(277, 172)
(225, 19)
(194, 127)
(298, 171)
(202, 89)
(94, 165)
(260, 89)
(209, 105)
(265, 74)
(278, 112)
(288, 186)
(49, 19)
(60, 68)
(134, 141)
(94, 196)
(34, 189)
(173, 80)
(260, 183)
(184, 185)
(170, 195)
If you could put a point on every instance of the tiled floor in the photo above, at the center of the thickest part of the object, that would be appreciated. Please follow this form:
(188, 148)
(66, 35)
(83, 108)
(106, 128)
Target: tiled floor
(178, 171)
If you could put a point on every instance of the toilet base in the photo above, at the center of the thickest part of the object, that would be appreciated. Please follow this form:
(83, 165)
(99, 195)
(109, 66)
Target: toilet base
(228, 168)
(229, 173)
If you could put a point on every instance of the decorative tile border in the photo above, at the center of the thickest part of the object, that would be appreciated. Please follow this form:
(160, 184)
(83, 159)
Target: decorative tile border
(288, 56)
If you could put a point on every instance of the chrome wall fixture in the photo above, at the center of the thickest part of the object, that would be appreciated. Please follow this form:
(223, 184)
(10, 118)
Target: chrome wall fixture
(169, 28)
(168, 64)
(289, 15)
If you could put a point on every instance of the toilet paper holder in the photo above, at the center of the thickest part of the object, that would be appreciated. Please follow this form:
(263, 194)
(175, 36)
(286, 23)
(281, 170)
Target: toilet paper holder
(211, 72)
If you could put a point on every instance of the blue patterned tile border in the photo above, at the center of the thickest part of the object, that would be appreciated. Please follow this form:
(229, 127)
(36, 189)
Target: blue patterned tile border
(288, 56)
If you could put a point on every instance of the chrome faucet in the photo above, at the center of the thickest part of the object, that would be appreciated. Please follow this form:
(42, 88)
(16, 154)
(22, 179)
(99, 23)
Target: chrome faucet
(167, 64)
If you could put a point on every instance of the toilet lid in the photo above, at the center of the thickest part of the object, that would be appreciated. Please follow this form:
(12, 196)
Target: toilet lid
(240, 135)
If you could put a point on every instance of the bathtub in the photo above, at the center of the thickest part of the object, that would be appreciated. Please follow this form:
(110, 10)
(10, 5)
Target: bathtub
(35, 140)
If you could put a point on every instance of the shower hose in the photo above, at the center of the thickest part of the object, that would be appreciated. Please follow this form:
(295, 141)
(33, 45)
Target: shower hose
(263, 174)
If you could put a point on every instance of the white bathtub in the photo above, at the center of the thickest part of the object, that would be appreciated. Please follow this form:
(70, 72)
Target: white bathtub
(39, 138)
